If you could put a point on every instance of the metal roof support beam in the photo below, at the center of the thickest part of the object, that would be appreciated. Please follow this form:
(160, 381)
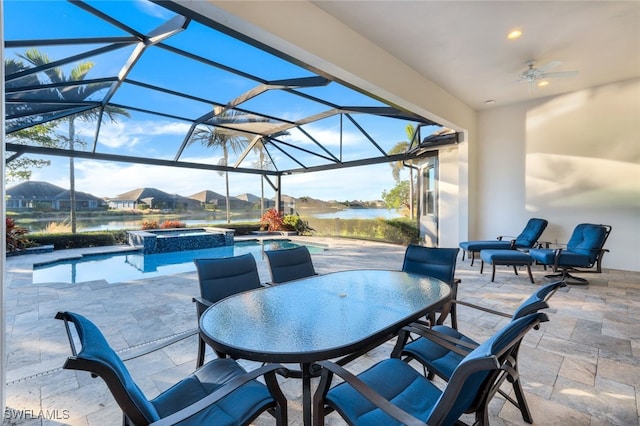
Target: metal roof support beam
(65, 61)
(86, 7)
(357, 163)
(366, 135)
(278, 192)
(173, 26)
(58, 152)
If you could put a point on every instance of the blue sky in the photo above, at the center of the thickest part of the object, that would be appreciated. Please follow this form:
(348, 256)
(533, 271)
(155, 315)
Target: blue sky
(152, 136)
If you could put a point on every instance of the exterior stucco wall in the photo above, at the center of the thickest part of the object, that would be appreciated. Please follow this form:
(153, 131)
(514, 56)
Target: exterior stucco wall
(569, 159)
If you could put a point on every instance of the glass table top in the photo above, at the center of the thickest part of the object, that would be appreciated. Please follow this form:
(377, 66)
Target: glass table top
(320, 317)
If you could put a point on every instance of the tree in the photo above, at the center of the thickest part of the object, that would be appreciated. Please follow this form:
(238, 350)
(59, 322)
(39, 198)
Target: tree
(397, 166)
(212, 137)
(263, 163)
(74, 93)
(397, 197)
(19, 168)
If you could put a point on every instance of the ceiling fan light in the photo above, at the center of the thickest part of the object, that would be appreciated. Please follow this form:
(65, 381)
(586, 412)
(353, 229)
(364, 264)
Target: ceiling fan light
(514, 34)
(543, 83)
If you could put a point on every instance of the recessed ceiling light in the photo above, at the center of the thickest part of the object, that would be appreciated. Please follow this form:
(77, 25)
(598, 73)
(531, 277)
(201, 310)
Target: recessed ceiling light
(514, 34)
(543, 83)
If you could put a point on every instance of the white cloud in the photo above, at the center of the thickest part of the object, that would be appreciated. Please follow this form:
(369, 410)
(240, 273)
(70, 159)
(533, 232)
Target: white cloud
(126, 135)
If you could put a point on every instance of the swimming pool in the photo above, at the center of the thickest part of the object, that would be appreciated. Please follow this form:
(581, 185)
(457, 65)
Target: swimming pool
(120, 267)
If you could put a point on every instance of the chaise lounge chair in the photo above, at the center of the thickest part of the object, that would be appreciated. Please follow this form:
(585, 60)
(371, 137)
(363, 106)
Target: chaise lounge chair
(527, 239)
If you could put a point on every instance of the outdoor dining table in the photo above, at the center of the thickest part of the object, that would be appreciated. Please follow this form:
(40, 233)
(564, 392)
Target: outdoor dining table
(339, 315)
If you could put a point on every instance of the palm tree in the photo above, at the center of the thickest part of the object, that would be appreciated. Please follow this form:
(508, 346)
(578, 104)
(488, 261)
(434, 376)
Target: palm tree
(213, 137)
(263, 163)
(74, 93)
(397, 166)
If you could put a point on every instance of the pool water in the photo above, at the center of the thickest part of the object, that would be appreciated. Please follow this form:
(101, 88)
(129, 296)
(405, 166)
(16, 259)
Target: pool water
(120, 267)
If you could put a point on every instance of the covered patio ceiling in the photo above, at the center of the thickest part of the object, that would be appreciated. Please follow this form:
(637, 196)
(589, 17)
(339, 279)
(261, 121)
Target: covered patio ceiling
(153, 83)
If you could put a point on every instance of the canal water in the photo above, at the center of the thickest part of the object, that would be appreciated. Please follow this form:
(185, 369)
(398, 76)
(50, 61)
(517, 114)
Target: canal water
(103, 224)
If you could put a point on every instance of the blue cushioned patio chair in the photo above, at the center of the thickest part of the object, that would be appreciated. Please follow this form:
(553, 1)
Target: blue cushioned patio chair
(527, 239)
(393, 393)
(220, 392)
(289, 264)
(439, 263)
(220, 278)
(440, 349)
(584, 250)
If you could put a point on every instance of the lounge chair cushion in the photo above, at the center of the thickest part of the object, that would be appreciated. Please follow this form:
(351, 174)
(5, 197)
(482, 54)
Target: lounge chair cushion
(505, 257)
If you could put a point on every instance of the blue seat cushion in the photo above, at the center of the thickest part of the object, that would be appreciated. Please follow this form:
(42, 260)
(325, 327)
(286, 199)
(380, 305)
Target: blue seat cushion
(505, 257)
(567, 258)
(438, 359)
(239, 407)
(396, 381)
(485, 245)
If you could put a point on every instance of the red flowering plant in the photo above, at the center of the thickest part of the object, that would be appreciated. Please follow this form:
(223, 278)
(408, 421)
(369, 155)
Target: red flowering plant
(16, 239)
(273, 220)
(172, 224)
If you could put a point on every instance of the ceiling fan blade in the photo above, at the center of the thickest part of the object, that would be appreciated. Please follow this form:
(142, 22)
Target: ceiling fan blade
(549, 66)
(560, 74)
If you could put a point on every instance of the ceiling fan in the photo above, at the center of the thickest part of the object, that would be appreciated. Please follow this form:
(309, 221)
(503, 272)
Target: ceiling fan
(533, 74)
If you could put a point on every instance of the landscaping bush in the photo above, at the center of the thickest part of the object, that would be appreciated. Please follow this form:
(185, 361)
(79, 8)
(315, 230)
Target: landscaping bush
(273, 220)
(395, 231)
(81, 239)
(167, 224)
(16, 236)
(149, 224)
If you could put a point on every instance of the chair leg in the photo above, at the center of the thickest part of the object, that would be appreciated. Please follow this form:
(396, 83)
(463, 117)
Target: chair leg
(481, 266)
(201, 349)
(473, 256)
(565, 276)
(493, 272)
(522, 402)
(515, 269)
(530, 275)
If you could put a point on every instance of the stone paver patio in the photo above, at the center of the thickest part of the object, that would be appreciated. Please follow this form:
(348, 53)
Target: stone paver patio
(580, 368)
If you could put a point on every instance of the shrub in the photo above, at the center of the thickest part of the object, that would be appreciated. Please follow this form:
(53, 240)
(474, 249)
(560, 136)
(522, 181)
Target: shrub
(57, 228)
(395, 231)
(296, 223)
(273, 220)
(81, 239)
(16, 239)
(172, 224)
(149, 224)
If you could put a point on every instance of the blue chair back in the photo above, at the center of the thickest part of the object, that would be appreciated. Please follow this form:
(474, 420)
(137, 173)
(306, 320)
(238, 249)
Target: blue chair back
(587, 239)
(474, 376)
(290, 264)
(439, 263)
(225, 276)
(531, 233)
(97, 357)
(538, 300)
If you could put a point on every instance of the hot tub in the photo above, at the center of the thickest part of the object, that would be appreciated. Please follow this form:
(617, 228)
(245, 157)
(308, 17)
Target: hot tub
(180, 239)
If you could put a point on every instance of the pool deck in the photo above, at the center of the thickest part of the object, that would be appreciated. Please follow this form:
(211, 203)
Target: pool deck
(580, 368)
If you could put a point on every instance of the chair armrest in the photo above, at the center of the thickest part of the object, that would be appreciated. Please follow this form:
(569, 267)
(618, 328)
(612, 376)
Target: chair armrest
(218, 394)
(201, 305)
(482, 308)
(145, 349)
(400, 415)
(501, 237)
(448, 342)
